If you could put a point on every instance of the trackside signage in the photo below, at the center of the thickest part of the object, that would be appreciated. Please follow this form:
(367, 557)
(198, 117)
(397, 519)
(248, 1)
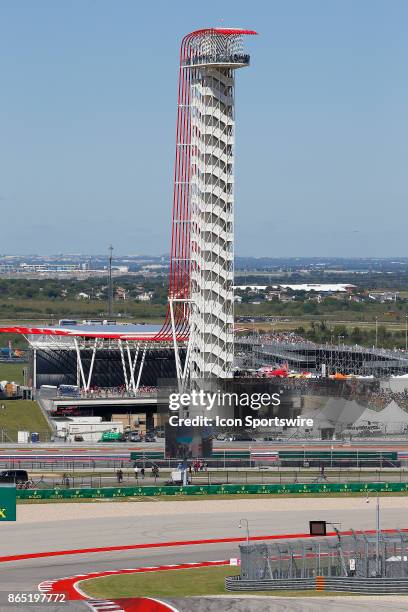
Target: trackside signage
(7, 502)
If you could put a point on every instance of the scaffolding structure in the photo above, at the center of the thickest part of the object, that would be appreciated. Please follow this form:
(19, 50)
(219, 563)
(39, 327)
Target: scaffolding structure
(316, 358)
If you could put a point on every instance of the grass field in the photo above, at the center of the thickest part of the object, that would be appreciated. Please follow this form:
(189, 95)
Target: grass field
(54, 309)
(21, 415)
(177, 583)
(12, 372)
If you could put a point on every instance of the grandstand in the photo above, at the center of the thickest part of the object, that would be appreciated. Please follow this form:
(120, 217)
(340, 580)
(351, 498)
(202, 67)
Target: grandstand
(300, 355)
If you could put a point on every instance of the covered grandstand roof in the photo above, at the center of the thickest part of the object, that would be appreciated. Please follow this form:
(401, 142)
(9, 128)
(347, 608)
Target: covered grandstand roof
(115, 331)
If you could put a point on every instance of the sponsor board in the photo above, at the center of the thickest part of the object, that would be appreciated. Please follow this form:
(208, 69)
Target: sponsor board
(7, 502)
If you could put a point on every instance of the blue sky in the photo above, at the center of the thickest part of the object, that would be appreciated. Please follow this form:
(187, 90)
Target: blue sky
(87, 125)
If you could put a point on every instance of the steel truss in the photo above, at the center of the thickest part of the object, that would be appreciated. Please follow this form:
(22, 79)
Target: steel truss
(133, 355)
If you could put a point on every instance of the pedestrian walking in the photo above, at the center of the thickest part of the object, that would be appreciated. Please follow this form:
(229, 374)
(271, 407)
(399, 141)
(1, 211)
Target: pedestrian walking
(142, 473)
(136, 470)
(119, 476)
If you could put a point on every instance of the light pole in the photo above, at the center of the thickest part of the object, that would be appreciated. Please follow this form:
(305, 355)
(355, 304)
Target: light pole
(244, 520)
(376, 332)
(377, 535)
(406, 332)
(377, 539)
(110, 288)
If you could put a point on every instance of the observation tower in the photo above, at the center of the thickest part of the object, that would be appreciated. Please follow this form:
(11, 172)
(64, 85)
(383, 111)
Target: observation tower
(202, 253)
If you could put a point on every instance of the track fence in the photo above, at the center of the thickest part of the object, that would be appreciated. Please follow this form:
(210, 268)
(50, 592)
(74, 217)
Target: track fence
(367, 562)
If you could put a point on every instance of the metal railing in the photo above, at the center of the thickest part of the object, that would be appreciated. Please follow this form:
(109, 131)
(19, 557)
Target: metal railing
(91, 473)
(378, 586)
(233, 58)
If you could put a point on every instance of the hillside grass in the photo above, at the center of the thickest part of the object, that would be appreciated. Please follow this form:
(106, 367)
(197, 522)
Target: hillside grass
(12, 372)
(22, 415)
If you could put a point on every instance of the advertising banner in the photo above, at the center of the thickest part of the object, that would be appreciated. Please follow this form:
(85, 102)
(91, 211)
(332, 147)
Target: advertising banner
(7, 502)
(218, 489)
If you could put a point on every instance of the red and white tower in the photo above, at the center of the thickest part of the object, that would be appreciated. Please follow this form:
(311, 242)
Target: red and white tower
(202, 253)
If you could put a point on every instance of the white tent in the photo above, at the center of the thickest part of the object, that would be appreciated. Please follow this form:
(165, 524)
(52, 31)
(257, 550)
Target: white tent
(392, 417)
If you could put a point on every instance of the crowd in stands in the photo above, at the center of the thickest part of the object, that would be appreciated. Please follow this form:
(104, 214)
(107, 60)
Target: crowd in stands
(287, 337)
(382, 397)
(110, 392)
(367, 392)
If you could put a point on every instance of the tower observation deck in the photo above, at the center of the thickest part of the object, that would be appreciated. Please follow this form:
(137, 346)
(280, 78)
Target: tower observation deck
(202, 254)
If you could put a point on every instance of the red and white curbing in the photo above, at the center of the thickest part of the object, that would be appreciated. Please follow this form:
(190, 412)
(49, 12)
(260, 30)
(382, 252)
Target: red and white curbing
(142, 604)
(104, 605)
(70, 586)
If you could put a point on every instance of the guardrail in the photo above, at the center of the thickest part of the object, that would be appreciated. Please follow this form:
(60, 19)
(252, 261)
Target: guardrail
(253, 489)
(235, 583)
(379, 586)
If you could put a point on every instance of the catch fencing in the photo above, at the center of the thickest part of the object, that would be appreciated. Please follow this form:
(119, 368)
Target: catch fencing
(359, 561)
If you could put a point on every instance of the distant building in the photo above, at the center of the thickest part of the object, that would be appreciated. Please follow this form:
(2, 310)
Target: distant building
(254, 288)
(318, 288)
(120, 293)
(386, 296)
(145, 297)
(322, 288)
(272, 295)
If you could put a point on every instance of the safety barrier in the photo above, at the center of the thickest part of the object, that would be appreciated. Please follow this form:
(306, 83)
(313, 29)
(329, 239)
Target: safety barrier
(272, 489)
(378, 586)
(235, 583)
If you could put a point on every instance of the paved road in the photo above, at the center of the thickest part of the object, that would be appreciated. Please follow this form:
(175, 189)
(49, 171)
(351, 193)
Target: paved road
(261, 604)
(112, 524)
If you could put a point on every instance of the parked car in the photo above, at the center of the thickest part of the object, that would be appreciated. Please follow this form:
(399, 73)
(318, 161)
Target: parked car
(242, 437)
(134, 436)
(150, 437)
(14, 476)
